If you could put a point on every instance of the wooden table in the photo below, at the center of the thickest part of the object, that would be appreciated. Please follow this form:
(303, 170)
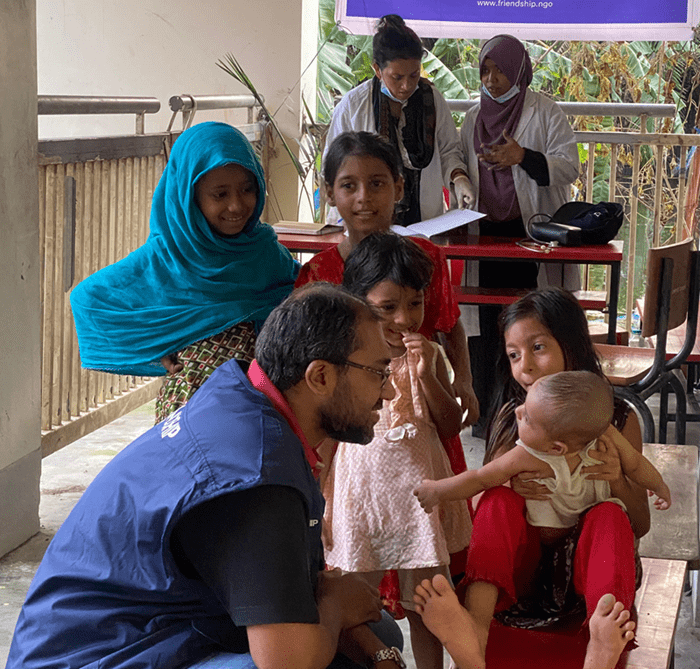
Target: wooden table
(674, 532)
(469, 247)
(309, 243)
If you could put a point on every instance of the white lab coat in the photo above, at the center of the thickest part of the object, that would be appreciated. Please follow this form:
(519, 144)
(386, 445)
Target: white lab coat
(354, 112)
(543, 127)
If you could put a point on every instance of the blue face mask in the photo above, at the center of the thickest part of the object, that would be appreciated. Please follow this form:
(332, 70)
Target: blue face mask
(386, 92)
(511, 93)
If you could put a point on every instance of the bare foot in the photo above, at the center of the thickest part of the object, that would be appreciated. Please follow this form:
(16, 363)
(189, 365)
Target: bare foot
(449, 621)
(610, 629)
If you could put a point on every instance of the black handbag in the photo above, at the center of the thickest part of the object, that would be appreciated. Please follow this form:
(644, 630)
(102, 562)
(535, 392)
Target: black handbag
(577, 223)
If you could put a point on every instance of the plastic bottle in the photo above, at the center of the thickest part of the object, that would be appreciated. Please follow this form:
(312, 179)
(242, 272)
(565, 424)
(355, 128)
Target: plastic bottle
(636, 340)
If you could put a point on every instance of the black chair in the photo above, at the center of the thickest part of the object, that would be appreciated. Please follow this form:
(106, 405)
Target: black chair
(671, 298)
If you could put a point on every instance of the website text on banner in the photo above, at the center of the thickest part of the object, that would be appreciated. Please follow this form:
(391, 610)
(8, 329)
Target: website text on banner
(531, 19)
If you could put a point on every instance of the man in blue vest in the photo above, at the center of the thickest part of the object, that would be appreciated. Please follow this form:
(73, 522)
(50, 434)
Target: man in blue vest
(200, 543)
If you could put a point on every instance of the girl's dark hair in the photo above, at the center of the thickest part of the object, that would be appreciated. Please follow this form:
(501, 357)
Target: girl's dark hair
(359, 144)
(386, 256)
(558, 311)
(393, 40)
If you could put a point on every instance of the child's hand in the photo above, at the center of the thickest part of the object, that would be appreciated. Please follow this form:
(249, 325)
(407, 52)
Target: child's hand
(421, 352)
(605, 451)
(427, 495)
(663, 495)
(171, 363)
(529, 489)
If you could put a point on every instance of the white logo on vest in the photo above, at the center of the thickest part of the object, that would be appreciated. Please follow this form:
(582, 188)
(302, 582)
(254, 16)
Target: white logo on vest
(171, 425)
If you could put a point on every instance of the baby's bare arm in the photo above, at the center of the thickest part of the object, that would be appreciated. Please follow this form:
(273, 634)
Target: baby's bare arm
(469, 483)
(632, 495)
(638, 468)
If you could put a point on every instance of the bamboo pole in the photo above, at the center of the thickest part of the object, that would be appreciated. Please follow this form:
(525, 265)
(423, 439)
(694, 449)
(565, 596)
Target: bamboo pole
(681, 231)
(658, 191)
(49, 236)
(56, 374)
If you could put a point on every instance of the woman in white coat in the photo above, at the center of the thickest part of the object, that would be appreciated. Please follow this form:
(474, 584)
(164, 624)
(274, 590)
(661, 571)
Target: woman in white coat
(410, 112)
(522, 159)
(398, 104)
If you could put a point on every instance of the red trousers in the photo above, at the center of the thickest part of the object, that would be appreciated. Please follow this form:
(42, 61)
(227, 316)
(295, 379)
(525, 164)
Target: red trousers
(505, 550)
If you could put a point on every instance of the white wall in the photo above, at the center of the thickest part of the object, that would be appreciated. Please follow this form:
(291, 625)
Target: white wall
(153, 48)
(20, 456)
(162, 48)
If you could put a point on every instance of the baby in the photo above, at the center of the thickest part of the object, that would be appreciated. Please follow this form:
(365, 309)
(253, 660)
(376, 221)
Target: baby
(560, 421)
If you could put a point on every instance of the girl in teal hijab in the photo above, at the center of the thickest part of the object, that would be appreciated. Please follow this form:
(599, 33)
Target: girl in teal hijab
(206, 279)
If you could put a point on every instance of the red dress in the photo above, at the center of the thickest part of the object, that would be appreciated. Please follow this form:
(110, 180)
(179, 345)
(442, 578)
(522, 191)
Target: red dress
(441, 308)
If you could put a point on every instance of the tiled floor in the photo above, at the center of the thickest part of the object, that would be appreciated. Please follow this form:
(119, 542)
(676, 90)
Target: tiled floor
(68, 472)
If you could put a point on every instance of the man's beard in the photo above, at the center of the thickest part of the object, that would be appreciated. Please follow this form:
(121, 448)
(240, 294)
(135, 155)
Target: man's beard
(340, 421)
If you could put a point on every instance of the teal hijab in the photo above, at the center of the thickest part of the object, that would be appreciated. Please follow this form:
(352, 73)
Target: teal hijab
(186, 282)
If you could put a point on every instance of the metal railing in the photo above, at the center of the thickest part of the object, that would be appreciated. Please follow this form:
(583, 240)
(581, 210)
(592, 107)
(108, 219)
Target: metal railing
(646, 184)
(66, 105)
(94, 204)
(621, 109)
(188, 105)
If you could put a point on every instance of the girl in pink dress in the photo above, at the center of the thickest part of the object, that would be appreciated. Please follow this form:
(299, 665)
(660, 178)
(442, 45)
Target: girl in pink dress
(374, 522)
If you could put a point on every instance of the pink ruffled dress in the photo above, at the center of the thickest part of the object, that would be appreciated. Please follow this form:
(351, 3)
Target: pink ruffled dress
(373, 520)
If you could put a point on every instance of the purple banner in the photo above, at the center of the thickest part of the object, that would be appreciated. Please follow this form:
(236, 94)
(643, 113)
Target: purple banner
(544, 19)
(526, 11)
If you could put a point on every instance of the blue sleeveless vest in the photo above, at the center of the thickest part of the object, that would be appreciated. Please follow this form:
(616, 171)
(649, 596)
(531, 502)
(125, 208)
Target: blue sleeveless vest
(108, 592)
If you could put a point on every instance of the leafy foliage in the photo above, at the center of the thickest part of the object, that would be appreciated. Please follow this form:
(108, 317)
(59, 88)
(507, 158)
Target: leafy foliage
(308, 144)
(639, 71)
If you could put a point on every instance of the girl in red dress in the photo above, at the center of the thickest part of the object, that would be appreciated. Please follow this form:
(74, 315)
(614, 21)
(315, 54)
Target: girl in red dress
(362, 172)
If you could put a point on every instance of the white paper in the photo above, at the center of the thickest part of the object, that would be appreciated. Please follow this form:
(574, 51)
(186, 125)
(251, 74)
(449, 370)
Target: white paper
(436, 226)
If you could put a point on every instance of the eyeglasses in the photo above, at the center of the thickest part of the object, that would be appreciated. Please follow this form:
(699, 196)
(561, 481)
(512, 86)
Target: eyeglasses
(384, 373)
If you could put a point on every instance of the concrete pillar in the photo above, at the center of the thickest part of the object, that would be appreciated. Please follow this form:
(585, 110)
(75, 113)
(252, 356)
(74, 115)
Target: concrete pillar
(307, 86)
(20, 432)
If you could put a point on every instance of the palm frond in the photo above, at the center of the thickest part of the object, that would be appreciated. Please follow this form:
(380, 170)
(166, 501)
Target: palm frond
(233, 68)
